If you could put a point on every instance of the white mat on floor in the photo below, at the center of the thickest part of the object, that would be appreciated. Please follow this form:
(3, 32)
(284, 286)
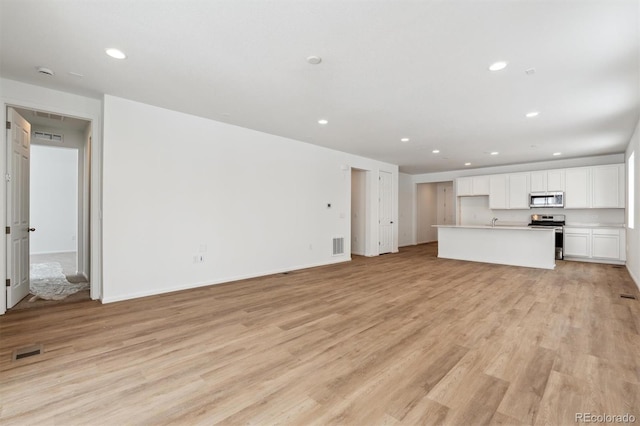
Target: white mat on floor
(49, 283)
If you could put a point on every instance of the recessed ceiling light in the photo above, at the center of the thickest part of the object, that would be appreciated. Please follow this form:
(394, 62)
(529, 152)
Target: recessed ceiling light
(76, 74)
(436, 151)
(115, 53)
(323, 121)
(497, 66)
(532, 114)
(467, 164)
(494, 153)
(404, 140)
(557, 153)
(314, 60)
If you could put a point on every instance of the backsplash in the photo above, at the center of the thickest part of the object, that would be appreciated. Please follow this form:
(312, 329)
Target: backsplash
(476, 211)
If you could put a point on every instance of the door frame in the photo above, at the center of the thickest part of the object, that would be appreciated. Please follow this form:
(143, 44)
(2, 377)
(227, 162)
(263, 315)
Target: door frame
(390, 200)
(59, 103)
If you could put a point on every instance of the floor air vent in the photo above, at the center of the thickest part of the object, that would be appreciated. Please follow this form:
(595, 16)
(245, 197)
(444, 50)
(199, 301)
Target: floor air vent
(628, 296)
(26, 352)
(338, 246)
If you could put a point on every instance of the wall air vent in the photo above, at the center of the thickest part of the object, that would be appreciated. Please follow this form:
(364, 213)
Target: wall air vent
(52, 137)
(49, 115)
(338, 246)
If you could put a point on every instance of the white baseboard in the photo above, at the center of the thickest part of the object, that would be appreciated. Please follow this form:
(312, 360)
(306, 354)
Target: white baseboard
(136, 295)
(427, 241)
(633, 277)
(587, 260)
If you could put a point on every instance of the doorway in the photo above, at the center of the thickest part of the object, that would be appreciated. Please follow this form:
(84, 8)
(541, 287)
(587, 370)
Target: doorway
(435, 206)
(56, 199)
(359, 212)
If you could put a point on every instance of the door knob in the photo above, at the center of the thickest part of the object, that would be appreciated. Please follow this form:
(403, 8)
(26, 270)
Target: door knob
(31, 229)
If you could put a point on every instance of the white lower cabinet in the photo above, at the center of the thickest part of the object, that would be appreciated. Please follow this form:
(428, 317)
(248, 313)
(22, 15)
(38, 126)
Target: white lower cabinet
(600, 244)
(608, 244)
(577, 242)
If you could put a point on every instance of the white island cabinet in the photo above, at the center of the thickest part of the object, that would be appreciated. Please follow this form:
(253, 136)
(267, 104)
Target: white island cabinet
(506, 245)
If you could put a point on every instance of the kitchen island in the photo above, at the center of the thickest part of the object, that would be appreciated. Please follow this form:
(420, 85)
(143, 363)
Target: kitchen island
(506, 245)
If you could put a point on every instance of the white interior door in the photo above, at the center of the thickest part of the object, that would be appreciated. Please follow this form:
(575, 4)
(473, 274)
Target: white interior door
(18, 139)
(386, 220)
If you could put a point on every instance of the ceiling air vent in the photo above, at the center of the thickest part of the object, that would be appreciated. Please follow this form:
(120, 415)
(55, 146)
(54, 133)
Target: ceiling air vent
(338, 246)
(52, 137)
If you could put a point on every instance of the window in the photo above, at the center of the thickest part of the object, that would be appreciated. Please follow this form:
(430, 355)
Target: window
(631, 188)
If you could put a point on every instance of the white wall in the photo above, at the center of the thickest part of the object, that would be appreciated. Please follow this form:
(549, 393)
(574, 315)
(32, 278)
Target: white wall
(358, 211)
(14, 93)
(633, 235)
(474, 211)
(406, 210)
(177, 186)
(53, 199)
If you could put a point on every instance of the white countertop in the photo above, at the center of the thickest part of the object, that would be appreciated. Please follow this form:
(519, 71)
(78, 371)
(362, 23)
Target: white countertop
(500, 227)
(595, 225)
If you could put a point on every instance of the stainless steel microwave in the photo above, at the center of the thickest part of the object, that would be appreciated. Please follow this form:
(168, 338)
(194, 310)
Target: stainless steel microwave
(546, 199)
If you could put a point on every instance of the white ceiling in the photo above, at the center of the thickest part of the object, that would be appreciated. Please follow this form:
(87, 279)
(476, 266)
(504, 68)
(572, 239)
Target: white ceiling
(390, 69)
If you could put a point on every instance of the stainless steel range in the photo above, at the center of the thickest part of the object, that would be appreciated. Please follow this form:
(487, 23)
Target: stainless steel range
(556, 221)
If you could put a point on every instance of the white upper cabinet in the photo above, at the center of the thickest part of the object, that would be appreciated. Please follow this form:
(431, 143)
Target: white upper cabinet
(608, 186)
(475, 185)
(547, 181)
(481, 185)
(498, 191)
(595, 187)
(578, 188)
(519, 191)
(539, 181)
(509, 191)
(464, 186)
(555, 180)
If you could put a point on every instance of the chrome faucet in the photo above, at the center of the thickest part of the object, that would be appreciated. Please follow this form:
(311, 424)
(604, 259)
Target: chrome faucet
(493, 221)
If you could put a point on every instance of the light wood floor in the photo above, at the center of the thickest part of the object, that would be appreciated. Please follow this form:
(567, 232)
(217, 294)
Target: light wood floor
(402, 338)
